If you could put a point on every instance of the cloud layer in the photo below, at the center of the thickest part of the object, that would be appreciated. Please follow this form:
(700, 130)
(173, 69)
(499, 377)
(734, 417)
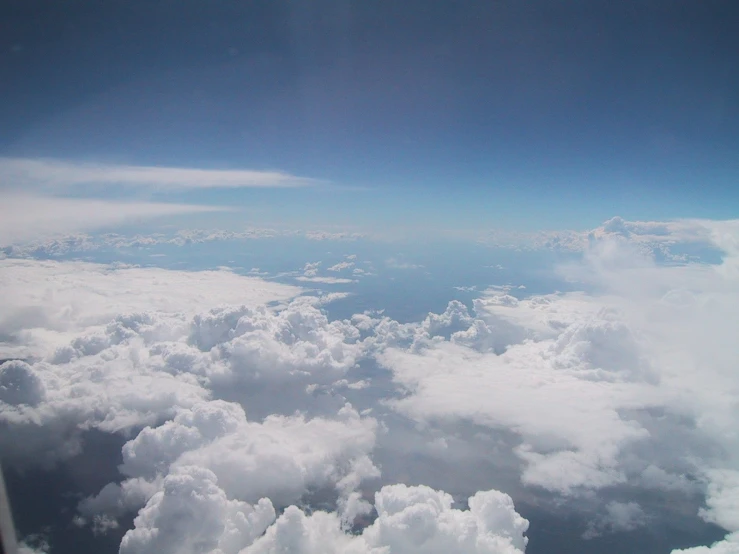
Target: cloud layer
(256, 424)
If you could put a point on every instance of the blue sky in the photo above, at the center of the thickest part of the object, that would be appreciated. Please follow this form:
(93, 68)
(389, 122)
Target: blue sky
(521, 115)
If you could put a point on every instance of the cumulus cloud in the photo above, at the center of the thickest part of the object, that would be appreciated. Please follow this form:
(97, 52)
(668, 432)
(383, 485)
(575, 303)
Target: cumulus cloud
(157, 363)
(341, 266)
(577, 376)
(19, 384)
(730, 545)
(193, 514)
(281, 457)
(43, 300)
(652, 238)
(86, 332)
(310, 274)
(409, 520)
(238, 397)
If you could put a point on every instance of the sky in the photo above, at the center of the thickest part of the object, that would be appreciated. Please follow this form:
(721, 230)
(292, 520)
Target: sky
(327, 277)
(516, 115)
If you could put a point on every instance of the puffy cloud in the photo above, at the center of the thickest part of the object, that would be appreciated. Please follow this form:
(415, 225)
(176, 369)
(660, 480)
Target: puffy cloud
(722, 499)
(38, 546)
(45, 300)
(570, 424)
(89, 334)
(409, 520)
(310, 275)
(632, 382)
(341, 266)
(730, 545)
(19, 384)
(281, 457)
(311, 269)
(193, 514)
(202, 479)
(664, 240)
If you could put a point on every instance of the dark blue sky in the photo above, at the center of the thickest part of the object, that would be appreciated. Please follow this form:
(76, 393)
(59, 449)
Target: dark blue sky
(516, 113)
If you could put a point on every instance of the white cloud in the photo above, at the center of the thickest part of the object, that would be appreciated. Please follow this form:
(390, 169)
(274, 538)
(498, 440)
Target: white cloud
(631, 383)
(56, 239)
(43, 300)
(329, 235)
(70, 320)
(395, 263)
(730, 545)
(325, 280)
(193, 514)
(281, 457)
(53, 174)
(56, 197)
(578, 376)
(649, 237)
(311, 269)
(310, 275)
(27, 217)
(410, 520)
(341, 266)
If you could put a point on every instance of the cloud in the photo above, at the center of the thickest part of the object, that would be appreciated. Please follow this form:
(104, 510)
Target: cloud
(652, 238)
(232, 390)
(26, 217)
(67, 320)
(328, 235)
(214, 469)
(394, 263)
(193, 514)
(280, 457)
(341, 266)
(19, 384)
(54, 174)
(311, 269)
(618, 517)
(61, 297)
(126, 349)
(410, 520)
(580, 377)
(310, 275)
(326, 280)
(730, 545)
(56, 195)
(54, 240)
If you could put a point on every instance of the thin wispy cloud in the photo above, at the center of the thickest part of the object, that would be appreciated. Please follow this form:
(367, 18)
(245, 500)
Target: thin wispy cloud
(53, 174)
(25, 217)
